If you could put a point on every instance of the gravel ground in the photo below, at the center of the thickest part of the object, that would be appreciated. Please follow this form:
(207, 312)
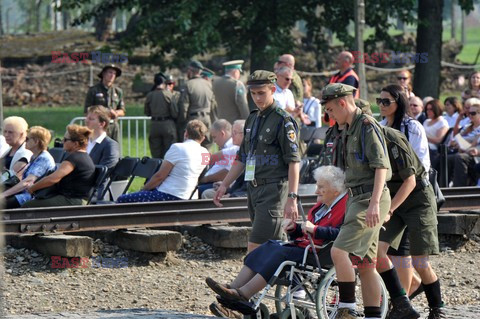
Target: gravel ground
(175, 281)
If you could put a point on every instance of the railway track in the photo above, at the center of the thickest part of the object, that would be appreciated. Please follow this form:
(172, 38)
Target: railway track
(173, 213)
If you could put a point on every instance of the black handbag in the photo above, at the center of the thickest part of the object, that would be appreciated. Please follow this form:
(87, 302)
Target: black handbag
(432, 176)
(10, 182)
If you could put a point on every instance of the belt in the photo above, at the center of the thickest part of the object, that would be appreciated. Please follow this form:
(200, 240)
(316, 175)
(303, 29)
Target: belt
(359, 190)
(161, 118)
(263, 181)
(199, 114)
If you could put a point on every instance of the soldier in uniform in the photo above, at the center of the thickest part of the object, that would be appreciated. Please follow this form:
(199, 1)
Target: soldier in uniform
(413, 205)
(269, 155)
(207, 74)
(367, 169)
(109, 95)
(230, 93)
(196, 97)
(158, 105)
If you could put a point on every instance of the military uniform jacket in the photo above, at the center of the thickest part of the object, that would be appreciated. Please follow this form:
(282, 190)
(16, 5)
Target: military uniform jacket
(231, 97)
(333, 150)
(274, 145)
(196, 96)
(297, 87)
(364, 150)
(99, 94)
(403, 160)
(159, 104)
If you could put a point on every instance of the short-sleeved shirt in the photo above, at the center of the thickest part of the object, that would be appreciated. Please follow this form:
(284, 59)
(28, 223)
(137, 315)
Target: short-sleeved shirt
(365, 150)
(432, 130)
(274, 145)
(189, 159)
(99, 94)
(403, 159)
(80, 181)
(38, 167)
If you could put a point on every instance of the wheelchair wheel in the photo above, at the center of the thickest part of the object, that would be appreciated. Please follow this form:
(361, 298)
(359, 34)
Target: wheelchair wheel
(307, 309)
(287, 314)
(329, 298)
(261, 314)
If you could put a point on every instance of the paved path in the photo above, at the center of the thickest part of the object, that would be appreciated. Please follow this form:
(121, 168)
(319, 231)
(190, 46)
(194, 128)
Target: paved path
(457, 312)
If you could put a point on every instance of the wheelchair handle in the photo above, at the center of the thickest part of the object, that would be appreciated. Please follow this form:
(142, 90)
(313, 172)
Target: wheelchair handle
(310, 239)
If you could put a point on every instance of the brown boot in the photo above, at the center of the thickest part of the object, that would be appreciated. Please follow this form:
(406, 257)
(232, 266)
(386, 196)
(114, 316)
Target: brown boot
(346, 313)
(220, 311)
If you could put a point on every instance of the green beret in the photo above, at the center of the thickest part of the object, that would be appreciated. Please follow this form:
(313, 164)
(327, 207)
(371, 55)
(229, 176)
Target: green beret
(196, 64)
(364, 106)
(261, 77)
(336, 90)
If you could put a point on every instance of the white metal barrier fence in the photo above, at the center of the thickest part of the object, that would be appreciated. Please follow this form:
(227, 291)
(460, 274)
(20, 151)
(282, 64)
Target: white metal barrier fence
(133, 131)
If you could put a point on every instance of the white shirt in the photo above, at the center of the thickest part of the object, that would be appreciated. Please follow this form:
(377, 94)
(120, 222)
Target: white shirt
(313, 109)
(283, 97)
(189, 160)
(451, 119)
(228, 144)
(417, 138)
(3, 145)
(229, 155)
(92, 143)
(432, 130)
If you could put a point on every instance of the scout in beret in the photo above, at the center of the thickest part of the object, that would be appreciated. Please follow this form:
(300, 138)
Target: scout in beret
(260, 78)
(118, 71)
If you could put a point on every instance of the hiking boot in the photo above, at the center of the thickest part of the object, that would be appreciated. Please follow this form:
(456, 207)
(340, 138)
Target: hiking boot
(402, 309)
(220, 311)
(436, 313)
(346, 313)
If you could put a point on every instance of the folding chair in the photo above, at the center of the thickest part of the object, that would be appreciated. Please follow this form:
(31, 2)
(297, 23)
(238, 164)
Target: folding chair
(205, 170)
(100, 175)
(58, 154)
(145, 168)
(122, 170)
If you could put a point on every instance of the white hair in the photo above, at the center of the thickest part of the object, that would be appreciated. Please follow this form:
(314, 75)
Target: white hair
(331, 174)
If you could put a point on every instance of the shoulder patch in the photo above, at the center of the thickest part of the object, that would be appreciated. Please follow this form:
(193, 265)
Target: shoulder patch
(282, 112)
(292, 136)
(287, 124)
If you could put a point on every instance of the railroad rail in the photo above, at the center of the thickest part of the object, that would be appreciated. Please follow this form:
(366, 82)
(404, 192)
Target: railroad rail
(170, 213)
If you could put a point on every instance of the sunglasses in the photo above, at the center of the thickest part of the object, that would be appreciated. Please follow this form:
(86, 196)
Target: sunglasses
(385, 102)
(472, 113)
(414, 105)
(401, 78)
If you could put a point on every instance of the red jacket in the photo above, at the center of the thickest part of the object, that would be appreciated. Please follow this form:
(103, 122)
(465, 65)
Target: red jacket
(326, 228)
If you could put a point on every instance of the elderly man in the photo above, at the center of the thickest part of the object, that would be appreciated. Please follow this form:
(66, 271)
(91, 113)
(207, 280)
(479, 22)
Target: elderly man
(178, 175)
(196, 98)
(282, 94)
(109, 95)
(296, 85)
(230, 93)
(346, 74)
(416, 108)
(224, 158)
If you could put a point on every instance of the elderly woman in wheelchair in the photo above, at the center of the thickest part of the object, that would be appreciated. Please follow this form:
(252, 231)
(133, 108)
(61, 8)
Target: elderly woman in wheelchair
(322, 224)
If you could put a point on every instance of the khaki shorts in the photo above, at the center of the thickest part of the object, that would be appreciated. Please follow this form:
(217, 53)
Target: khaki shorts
(419, 214)
(354, 236)
(265, 206)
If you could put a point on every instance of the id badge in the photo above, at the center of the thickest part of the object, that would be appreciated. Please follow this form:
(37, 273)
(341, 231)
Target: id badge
(250, 169)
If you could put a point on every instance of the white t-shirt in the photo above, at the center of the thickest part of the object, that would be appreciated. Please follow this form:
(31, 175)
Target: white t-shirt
(313, 109)
(451, 119)
(229, 155)
(432, 130)
(3, 145)
(189, 159)
(283, 97)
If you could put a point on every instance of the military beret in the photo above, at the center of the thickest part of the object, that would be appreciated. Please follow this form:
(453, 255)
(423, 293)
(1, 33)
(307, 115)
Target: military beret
(235, 64)
(206, 72)
(196, 65)
(118, 71)
(261, 77)
(364, 106)
(336, 90)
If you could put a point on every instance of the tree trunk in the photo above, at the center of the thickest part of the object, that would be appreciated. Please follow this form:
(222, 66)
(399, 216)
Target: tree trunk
(38, 13)
(66, 19)
(429, 41)
(1, 21)
(454, 21)
(103, 25)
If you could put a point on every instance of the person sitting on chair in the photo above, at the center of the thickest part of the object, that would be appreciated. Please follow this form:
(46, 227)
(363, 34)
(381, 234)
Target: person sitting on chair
(178, 175)
(323, 224)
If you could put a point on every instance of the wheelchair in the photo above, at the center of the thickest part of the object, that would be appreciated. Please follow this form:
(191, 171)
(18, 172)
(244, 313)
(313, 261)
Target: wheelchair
(319, 283)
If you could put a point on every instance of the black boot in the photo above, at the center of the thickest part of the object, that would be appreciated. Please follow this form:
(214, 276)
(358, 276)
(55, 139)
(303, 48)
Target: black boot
(402, 309)
(436, 313)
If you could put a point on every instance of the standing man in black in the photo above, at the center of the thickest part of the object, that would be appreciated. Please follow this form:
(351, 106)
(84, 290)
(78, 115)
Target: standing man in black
(109, 95)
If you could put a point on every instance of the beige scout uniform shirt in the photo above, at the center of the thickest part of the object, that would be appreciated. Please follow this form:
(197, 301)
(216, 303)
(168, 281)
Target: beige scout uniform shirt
(277, 142)
(231, 97)
(365, 151)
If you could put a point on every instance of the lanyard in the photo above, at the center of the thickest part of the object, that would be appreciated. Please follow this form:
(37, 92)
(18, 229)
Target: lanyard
(253, 136)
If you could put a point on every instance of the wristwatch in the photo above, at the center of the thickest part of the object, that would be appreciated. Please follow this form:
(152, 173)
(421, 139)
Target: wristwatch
(293, 195)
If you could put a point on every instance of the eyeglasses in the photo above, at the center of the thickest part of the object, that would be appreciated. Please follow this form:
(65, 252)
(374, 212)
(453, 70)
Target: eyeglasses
(281, 62)
(288, 79)
(414, 105)
(401, 78)
(67, 139)
(472, 113)
(428, 109)
(385, 102)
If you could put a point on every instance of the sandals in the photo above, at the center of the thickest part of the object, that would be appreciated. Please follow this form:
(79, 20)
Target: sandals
(233, 294)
